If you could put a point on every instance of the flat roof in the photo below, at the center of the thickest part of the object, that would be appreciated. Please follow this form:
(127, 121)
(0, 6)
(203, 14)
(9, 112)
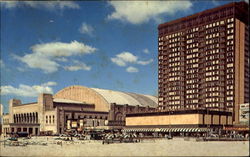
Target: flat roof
(161, 113)
(199, 14)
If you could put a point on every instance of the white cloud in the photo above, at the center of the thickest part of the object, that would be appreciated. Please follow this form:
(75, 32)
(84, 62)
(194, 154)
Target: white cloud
(78, 66)
(124, 58)
(59, 49)
(45, 56)
(146, 51)
(137, 12)
(132, 69)
(62, 59)
(39, 61)
(28, 91)
(86, 29)
(51, 5)
(145, 62)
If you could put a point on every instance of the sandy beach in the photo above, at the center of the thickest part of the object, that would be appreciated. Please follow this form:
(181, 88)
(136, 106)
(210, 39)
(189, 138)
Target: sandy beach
(159, 147)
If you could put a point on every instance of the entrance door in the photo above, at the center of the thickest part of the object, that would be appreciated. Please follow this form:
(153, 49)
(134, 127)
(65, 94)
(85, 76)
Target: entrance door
(30, 131)
(36, 131)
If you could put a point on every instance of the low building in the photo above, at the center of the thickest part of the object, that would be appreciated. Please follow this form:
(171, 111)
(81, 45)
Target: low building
(75, 108)
(177, 122)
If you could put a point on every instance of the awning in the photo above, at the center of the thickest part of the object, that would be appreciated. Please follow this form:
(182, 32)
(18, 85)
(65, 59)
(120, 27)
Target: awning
(165, 130)
(182, 129)
(188, 130)
(157, 130)
(178, 129)
(192, 130)
(175, 129)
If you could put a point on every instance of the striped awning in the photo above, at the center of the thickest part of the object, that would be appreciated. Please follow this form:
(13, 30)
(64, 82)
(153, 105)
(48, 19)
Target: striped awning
(182, 129)
(165, 130)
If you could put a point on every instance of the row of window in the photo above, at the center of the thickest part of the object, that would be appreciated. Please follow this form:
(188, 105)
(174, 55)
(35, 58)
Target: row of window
(192, 50)
(212, 51)
(174, 59)
(230, 42)
(193, 65)
(192, 45)
(174, 64)
(174, 54)
(212, 35)
(193, 61)
(215, 24)
(212, 46)
(212, 78)
(192, 81)
(50, 119)
(229, 87)
(193, 55)
(212, 99)
(212, 89)
(212, 94)
(191, 71)
(212, 73)
(214, 67)
(174, 102)
(211, 63)
(196, 29)
(192, 96)
(229, 31)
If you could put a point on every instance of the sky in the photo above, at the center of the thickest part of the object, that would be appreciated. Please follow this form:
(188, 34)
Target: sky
(47, 46)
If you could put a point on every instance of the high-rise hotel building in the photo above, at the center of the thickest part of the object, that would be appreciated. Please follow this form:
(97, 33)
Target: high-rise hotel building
(204, 60)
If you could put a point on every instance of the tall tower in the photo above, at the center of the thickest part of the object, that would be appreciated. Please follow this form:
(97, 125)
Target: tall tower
(204, 60)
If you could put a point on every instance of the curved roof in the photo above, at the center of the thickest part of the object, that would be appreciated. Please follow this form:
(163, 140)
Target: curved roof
(127, 98)
(102, 98)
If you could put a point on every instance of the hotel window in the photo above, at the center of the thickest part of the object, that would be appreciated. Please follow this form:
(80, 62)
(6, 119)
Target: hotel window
(50, 119)
(47, 119)
(53, 119)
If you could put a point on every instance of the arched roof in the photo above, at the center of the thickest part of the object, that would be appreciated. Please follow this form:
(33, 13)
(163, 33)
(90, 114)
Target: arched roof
(102, 98)
(127, 98)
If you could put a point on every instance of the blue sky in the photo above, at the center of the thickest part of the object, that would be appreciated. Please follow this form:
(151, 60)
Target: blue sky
(46, 46)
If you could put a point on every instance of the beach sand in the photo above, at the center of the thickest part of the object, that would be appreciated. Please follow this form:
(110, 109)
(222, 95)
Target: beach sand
(159, 147)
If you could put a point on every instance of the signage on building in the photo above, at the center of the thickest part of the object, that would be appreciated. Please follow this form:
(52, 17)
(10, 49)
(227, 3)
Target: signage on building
(81, 123)
(244, 113)
(74, 124)
(68, 124)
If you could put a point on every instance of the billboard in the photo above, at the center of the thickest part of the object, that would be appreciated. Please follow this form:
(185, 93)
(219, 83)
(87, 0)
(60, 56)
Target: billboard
(244, 113)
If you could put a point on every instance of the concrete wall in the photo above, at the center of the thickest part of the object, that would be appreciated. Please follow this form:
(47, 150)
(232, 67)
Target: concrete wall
(239, 67)
(51, 126)
(184, 119)
(164, 120)
(25, 108)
